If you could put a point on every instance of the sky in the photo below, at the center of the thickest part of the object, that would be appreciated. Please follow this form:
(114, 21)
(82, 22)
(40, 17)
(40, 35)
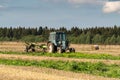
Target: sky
(59, 13)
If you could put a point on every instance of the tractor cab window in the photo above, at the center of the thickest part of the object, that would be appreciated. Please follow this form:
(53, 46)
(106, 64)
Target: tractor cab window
(60, 37)
(52, 37)
(63, 37)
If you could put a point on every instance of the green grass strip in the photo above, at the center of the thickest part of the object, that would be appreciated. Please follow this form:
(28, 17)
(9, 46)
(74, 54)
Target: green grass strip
(69, 55)
(99, 68)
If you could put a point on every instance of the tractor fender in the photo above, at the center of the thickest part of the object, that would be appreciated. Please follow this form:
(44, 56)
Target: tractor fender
(48, 42)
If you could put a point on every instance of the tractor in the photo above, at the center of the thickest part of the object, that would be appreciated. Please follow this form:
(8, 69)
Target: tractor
(58, 43)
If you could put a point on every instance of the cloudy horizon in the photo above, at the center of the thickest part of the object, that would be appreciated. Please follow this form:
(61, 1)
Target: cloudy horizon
(52, 13)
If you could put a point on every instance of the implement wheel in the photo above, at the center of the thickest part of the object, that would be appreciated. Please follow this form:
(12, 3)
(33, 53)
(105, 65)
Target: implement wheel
(51, 48)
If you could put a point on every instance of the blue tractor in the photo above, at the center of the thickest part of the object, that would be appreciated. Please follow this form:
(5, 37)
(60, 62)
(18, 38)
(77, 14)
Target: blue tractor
(58, 43)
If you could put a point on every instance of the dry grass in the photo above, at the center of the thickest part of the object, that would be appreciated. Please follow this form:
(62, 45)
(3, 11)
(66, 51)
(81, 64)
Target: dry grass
(19, 73)
(12, 46)
(108, 49)
(33, 73)
(39, 58)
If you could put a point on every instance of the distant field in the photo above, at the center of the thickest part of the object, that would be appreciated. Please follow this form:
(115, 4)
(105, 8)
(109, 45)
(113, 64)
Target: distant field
(20, 47)
(12, 46)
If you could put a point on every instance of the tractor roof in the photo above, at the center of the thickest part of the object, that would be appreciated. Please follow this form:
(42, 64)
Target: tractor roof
(56, 32)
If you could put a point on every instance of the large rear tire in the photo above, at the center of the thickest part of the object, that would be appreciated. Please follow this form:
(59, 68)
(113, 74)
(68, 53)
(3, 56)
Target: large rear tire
(51, 48)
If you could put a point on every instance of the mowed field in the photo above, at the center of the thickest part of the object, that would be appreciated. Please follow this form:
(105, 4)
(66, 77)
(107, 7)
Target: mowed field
(107, 49)
(11, 72)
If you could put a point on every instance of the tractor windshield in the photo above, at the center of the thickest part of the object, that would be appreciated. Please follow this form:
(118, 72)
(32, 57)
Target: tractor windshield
(61, 37)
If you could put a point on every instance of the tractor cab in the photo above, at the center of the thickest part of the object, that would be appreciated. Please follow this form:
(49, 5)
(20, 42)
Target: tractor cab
(57, 38)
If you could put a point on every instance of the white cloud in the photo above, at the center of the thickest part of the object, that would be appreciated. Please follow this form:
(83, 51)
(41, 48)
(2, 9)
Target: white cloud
(84, 1)
(108, 5)
(79, 1)
(112, 6)
(53, 0)
(1, 7)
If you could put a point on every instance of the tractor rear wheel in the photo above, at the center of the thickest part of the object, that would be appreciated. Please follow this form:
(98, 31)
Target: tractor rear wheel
(51, 48)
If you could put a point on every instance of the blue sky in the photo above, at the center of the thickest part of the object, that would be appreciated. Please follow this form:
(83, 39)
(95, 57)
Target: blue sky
(58, 13)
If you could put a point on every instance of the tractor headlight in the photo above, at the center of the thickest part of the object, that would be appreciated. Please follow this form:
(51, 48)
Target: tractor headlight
(59, 42)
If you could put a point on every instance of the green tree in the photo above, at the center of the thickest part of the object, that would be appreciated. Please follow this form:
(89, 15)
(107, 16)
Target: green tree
(107, 41)
(97, 39)
(40, 30)
(88, 38)
(118, 39)
(113, 40)
(82, 38)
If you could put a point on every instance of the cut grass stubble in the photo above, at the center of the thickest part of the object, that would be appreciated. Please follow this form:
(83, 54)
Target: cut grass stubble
(69, 55)
(82, 67)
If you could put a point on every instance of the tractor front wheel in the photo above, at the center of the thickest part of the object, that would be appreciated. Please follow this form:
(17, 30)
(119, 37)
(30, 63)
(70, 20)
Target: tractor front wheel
(72, 50)
(60, 50)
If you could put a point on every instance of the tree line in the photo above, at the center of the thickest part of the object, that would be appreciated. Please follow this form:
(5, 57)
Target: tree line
(94, 35)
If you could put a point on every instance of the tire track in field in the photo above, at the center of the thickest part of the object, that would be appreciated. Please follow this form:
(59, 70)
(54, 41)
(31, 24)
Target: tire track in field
(39, 58)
